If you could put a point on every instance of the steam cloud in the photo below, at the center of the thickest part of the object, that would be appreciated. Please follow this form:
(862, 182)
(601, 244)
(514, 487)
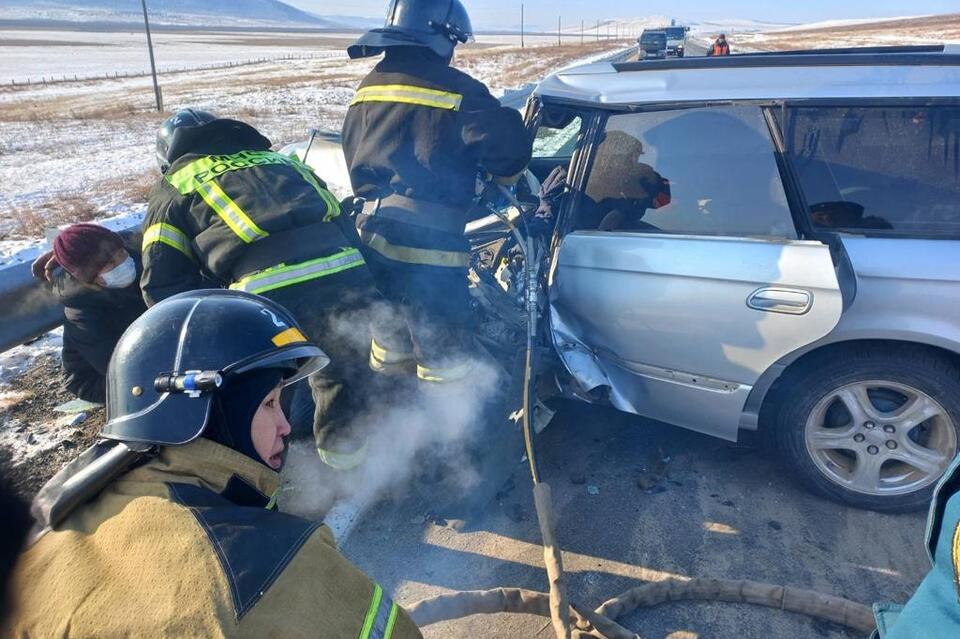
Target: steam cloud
(403, 427)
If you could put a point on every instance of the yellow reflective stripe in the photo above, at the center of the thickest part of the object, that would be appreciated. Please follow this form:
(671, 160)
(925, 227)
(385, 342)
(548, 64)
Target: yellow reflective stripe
(188, 178)
(387, 356)
(333, 206)
(272, 504)
(409, 94)
(371, 612)
(391, 621)
(410, 255)
(380, 618)
(443, 375)
(282, 275)
(167, 234)
(231, 214)
(289, 336)
(343, 461)
(956, 553)
(184, 179)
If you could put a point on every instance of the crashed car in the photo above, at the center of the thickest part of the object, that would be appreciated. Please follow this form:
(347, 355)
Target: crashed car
(755, 243)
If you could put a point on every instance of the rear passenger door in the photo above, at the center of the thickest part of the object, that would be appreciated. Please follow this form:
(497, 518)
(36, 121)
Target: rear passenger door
(697, 282)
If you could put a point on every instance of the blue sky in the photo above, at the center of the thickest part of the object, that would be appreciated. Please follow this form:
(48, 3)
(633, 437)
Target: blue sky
(503, 13)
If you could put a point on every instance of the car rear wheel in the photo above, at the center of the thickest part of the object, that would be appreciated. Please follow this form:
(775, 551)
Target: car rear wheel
(873, 430)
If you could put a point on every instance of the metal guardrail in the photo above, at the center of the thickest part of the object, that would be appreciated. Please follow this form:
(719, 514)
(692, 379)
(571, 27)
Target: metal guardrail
(30, 309)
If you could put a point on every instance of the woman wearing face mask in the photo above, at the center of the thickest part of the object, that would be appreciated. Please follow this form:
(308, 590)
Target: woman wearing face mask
(168, 526)
(98, 285)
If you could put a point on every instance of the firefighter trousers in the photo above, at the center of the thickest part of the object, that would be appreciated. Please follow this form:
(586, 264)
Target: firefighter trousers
(422, 274)
(333, 312)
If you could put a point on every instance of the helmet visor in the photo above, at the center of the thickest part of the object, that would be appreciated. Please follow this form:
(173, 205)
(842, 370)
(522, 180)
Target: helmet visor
(301, 360)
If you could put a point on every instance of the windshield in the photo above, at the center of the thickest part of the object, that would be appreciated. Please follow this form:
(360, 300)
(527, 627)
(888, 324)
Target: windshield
(676, 33)
(653, 38)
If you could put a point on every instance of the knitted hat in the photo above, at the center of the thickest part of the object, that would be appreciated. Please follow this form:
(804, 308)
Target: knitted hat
(84, 249)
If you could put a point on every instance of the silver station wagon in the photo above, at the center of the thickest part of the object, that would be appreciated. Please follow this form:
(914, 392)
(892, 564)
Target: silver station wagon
(759, 242)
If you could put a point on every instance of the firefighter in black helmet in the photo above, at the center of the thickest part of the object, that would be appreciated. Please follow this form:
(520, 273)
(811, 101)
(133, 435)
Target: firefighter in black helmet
(415, 136)
(168, 526)
(230, 212)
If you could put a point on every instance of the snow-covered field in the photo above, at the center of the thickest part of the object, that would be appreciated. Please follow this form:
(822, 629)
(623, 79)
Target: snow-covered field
(937, 29)
(84, 150)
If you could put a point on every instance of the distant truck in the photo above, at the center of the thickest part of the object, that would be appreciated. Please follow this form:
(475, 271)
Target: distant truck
(676, 40)
(653, 44)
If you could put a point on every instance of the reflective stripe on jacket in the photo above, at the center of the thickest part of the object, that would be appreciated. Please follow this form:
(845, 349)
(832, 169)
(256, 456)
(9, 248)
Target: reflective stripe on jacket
(184, 546)
(233, 208)
(421, 129)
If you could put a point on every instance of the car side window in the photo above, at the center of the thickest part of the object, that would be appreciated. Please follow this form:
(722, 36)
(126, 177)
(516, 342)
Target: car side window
(557, 139)
(884, 170)
(703, 171)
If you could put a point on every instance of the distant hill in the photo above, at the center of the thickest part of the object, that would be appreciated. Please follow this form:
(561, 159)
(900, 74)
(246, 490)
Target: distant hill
(235, 13)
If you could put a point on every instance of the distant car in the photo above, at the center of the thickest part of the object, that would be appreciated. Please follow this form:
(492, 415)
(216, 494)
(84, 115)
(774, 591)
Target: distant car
(676, 40)
(653, 45)
(757, 242)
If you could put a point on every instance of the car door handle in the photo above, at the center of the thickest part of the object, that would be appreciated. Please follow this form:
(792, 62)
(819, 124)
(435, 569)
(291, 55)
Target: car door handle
(781, 300)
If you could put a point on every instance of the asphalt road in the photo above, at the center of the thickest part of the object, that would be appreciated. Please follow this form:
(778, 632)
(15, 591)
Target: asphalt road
(712, 510)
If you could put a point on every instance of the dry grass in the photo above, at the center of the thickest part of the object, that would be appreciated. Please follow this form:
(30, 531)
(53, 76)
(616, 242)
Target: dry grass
(28, 222)
(912, 30)
(530, 64)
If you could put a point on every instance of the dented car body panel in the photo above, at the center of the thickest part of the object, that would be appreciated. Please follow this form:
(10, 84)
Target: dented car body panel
(670, 323)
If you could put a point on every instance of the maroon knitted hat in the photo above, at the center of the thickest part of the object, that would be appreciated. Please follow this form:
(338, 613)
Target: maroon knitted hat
(84, 249)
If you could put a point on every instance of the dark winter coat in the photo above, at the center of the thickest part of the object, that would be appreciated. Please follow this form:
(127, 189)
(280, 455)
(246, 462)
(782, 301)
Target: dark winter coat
(231, 207)
(94, 319)
(422, 129)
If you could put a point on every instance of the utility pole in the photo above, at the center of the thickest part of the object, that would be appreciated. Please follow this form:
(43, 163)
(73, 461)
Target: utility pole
(153, 64)
(521, 25)
(558, 31)
(598, 31)
(581, 33)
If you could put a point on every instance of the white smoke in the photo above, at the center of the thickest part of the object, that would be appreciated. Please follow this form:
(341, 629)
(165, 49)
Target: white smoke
(410, 429)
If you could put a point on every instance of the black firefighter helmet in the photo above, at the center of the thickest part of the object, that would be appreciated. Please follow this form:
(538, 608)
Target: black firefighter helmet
(170, 363)
(438, 25)
(172, 128)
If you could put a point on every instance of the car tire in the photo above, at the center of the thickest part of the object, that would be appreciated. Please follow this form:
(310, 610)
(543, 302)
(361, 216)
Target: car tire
(816, 422)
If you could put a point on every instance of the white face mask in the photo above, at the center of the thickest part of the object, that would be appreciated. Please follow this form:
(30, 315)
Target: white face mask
(121, 275)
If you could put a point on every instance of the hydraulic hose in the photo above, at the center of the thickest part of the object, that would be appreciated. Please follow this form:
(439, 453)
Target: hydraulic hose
(552, 557)
(601, 623)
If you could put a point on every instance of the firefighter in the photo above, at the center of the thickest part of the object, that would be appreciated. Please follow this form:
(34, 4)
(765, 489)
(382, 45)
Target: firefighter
(229, 209)
(167, 527)
(934, 609)
(415, 136)
(97, 284)
(720, 46)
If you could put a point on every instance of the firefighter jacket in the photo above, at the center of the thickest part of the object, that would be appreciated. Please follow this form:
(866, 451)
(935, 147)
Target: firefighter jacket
(242, 215)
(94, 319)
(934, 609)
(421, 129)
(184, 547)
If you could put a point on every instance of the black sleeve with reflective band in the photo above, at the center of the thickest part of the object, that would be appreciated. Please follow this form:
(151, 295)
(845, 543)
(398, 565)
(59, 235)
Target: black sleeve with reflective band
(169, 265)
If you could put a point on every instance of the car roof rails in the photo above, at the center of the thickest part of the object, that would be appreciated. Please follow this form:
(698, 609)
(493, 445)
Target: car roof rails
(848, 56)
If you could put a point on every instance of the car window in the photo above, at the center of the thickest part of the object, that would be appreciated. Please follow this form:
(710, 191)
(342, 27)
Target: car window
(888, 170)
(558, 141)
(709, 171)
